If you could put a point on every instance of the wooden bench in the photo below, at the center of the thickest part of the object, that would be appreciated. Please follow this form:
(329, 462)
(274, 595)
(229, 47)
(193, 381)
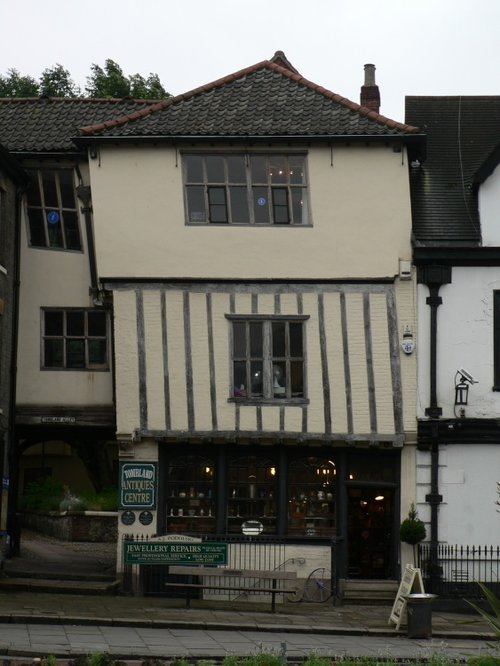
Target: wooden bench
(276, 577)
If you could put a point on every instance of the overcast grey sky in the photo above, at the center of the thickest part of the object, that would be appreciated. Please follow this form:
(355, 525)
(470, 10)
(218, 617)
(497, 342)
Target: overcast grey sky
(427, 47)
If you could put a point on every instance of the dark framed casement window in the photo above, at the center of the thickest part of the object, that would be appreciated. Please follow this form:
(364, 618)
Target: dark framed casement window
(496, 340)
(268, 357)
(52, 210)
(75, 339)
(266, 189)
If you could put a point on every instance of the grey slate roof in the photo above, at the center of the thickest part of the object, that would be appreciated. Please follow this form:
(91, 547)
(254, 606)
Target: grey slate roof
(463, 135)
(266, 99)
(47, 124)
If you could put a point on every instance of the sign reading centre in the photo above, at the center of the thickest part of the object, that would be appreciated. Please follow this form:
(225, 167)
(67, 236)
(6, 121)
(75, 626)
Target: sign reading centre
(138, 483)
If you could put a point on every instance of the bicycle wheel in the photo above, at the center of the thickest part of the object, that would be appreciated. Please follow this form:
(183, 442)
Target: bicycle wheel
(317, 587)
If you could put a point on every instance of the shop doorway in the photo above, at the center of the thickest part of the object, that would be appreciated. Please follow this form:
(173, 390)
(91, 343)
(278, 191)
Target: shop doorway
(370, 532)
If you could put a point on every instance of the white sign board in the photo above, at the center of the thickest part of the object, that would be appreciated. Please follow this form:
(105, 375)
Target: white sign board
(411, 582)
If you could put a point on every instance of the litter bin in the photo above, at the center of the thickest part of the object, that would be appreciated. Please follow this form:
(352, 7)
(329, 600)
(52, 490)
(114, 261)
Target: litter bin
(419, 613)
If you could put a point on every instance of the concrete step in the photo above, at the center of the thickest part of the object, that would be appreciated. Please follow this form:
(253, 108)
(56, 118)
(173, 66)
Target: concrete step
(357, 591)
(59, 586)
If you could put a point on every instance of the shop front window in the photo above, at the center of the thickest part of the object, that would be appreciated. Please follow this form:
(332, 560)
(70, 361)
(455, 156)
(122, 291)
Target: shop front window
(311, 502)
(251, 494)
(190, 495)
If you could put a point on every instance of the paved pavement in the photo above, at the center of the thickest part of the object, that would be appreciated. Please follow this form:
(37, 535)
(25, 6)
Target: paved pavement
(140, 627)
(127, 627)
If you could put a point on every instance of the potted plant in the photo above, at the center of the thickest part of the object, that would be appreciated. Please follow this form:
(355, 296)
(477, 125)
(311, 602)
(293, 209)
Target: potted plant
(412, 529)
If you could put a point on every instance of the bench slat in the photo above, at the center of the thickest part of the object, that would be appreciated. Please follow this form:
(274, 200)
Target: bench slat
(236, 573)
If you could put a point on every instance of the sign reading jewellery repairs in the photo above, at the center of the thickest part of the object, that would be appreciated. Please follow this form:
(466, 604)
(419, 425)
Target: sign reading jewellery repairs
(138, 483)
(174, 552)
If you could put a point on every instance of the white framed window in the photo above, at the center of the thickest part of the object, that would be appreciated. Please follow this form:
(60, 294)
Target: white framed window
(52, 210)
(241, 188)
(75, 339)
(268, 357)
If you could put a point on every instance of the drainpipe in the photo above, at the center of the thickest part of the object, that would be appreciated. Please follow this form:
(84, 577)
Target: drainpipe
(84, 194)
(434, 277)
(11, 462)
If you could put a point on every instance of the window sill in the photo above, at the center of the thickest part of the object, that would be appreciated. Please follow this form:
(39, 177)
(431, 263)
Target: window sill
(269, 401)
(246, 225)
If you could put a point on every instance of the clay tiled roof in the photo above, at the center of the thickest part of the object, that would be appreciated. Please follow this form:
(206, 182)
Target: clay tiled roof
(47, 124)
(463, 135)
(267, 99)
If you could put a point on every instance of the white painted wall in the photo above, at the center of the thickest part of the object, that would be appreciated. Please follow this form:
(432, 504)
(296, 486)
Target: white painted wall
(54, 278)
(465, 339)
(489, 209)
(468, 474)
(360, 212)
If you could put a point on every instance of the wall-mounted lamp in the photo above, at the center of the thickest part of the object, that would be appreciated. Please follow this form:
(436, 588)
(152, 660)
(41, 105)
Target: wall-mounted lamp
(463, 380)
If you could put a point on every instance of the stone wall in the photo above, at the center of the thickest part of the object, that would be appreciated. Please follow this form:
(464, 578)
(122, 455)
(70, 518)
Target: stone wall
(93, 526)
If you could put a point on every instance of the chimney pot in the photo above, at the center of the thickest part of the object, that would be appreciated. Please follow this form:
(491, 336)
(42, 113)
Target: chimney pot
(370, 94)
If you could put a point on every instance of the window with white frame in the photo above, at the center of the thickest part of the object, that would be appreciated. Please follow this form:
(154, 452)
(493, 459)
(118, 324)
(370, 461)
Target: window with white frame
(267, 357)
(52, 210)
(75, 339)
(267, 189)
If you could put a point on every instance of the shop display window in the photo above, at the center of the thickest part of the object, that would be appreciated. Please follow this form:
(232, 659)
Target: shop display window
(251, 494)
(311, 503)
(190, 495)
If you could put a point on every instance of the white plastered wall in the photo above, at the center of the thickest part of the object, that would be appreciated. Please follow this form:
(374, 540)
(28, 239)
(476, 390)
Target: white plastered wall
(360, 213)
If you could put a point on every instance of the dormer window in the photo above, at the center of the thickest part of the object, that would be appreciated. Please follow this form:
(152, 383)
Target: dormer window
(240, 189)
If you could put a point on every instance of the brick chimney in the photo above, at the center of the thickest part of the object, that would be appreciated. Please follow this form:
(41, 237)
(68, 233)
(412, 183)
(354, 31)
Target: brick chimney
(370, 94)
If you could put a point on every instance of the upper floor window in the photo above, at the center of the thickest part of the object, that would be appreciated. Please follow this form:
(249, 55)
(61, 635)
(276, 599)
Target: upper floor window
(52, 210)
(75, 339)
(246, 189)
(268, 357)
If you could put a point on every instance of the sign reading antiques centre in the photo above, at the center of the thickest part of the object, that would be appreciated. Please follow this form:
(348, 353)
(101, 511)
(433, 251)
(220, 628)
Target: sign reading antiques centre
(138, 482)
(174, 552)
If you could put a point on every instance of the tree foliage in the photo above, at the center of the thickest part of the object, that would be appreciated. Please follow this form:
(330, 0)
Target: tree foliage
(110, 81)
(57, 82)
(13, 84)
(103, 82)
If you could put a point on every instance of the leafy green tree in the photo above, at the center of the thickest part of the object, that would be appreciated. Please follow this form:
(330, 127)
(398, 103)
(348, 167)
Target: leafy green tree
(15, 85)
(107, 82)
(57, 82)
(150, 88)
(104, 82)
(110, 81)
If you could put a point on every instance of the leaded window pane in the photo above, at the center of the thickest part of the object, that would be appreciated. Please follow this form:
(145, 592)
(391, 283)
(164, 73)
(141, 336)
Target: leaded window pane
(53, 353)
(96, 323)
(49, 189)
(52, 210)
(75, 323)
(215, 169)
(257, 189)
(75, 353)
(54, 323)
(196, 203)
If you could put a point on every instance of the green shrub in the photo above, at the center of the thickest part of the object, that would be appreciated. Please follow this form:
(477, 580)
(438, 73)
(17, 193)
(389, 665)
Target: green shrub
(48, 494)
(43, 495)
(412, 529)
(107, 500)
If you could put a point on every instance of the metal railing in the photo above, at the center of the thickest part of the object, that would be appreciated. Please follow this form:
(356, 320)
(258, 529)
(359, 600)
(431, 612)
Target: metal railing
(453, 572)
(262, 553)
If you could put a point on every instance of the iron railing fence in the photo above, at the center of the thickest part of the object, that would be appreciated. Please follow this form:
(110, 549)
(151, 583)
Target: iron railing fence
(262, 553)
(453, 572)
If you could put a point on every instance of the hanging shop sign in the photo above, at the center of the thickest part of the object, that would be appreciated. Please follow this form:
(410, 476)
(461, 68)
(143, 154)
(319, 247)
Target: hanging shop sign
(138, 485)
